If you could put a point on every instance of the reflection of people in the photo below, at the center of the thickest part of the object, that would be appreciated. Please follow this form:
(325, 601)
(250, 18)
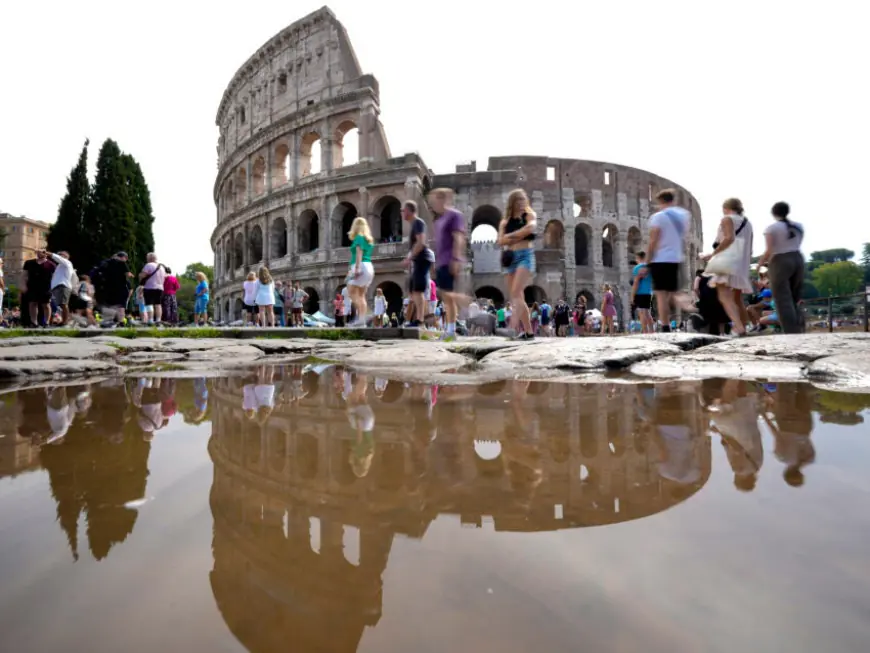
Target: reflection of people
(146, 397)
(521, 447)
(790, 403)
(734, 415)
(362, 420)
(674, 438)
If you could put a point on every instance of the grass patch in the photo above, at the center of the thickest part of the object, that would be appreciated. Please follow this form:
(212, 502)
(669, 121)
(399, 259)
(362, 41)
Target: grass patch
(39, 333)
(153, 332)
(163, 367)
(333, 334)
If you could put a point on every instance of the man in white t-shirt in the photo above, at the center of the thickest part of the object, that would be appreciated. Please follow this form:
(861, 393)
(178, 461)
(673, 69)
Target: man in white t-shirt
(668, 229)
(61, 282)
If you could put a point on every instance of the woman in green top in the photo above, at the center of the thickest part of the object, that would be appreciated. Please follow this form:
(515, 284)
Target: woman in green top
(361, 272)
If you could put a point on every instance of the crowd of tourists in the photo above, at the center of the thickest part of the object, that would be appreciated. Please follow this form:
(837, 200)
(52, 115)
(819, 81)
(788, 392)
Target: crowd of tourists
(726, 297)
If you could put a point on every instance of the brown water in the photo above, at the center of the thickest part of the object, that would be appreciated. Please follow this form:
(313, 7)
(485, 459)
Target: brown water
(315, 510)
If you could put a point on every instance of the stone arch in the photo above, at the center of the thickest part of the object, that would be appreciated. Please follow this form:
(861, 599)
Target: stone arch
(635, 243)
(312, 304)
(255, 244)
(554, 235)
(484, 223)
(534, 294)
(238, 307)
(278, 238)
(590, 298)
(241, 186)
(230, 197)
(239, 250)
(258, 176)
(342, 219)
(389, 211)
(309, 231)
(281, 165)
(608, 244)
(393, 294)
(491, 292)
(307, 456)
(228, 258)
(277, 447)
(346, 144)
(582, 238)
(310, 154)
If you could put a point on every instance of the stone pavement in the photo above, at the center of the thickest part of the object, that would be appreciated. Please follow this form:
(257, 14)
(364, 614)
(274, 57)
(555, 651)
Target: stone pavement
(835, 361)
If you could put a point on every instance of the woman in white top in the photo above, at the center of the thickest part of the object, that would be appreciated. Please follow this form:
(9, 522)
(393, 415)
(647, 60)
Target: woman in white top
(380, 306)
(250, 298)
(785, 267)
(264, 298)
(729, 262)
(2, 286)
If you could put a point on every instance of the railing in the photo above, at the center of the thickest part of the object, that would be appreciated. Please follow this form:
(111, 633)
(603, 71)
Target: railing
(835, 308)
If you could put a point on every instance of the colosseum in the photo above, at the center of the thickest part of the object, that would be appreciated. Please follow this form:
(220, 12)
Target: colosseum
(287, 189)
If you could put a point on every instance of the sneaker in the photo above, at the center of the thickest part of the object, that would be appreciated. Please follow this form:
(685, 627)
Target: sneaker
(447, 337)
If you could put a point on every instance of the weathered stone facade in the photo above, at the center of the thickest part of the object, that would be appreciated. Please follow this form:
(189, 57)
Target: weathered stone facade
(305, 88)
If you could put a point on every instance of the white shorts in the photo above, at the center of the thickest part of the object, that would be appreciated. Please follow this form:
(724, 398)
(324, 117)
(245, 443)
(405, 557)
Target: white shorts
(364, 280)
(432, 306)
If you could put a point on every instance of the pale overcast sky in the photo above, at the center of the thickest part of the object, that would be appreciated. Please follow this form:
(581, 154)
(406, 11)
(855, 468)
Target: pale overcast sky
(762, 100)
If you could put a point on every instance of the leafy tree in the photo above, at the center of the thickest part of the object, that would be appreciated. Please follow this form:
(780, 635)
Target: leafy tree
(837, 255)
(12, 297)
(840, 278)
(191, 270)
(143, 218)
(810, 291)
(865, 262)
(187, 288)
(109, 223)
(66, 232)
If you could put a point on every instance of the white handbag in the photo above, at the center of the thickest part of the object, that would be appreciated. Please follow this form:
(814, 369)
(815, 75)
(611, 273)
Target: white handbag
(728, 261)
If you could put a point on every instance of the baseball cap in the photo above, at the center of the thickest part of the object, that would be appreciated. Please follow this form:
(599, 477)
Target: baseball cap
(122, 255)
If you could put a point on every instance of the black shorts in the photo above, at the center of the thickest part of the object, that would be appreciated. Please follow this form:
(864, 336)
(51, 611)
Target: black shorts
(153, 296)
(665, 276)
(339, 320)
(39, 296)
(643, 302)
(444, 279)
(419, 281)
(250, 309)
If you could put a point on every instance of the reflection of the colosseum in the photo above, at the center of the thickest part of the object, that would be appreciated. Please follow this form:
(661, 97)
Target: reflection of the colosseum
(303, 532)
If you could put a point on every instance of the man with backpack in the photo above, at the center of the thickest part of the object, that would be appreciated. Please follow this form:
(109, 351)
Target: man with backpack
(546, 317)
(110, 279)
(562, 318)
(668, 229)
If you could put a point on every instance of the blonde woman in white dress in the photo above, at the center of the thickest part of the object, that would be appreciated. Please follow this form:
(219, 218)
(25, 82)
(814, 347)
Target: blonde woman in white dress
(728, 263)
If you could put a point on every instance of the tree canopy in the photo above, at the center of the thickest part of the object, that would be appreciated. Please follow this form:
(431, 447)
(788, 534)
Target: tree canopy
(66, 232)
(836, 255)
(865, 262)
(840, 278)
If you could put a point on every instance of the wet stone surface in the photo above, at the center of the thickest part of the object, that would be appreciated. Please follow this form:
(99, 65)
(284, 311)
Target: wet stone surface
(322, 509)
(832, 359)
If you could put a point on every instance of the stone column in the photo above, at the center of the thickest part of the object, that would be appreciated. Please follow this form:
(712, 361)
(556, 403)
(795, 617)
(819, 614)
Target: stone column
(291, 232)
(364, 203)
(246, 248)
(267, 241)
(249, 180)
(570, 224)
(269, 166)
(368, 121)
(327, 143)
(295, 162)
(325, 226)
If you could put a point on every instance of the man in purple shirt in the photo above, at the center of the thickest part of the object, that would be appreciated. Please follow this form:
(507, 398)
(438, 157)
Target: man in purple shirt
(449, 253)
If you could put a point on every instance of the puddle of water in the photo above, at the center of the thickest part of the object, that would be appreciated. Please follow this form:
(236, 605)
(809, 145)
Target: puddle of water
(308, 508)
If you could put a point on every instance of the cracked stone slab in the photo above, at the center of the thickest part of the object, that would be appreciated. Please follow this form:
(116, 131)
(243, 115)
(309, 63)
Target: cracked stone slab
(57, 368)
(700, 366)
(843, 371)
(225, 354)
(805, 347)
(415, 354)
(593, 353)
(140, 357)
(289, 346)
(71, 349)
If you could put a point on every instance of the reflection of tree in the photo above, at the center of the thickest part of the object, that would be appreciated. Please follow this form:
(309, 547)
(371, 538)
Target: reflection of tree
(841, 407)
(100, 465)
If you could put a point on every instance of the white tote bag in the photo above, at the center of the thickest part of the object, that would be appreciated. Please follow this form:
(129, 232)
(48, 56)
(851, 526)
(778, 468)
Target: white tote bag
(728, 261)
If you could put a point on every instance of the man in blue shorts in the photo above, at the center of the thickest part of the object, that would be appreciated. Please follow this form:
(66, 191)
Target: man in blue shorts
(449, 254)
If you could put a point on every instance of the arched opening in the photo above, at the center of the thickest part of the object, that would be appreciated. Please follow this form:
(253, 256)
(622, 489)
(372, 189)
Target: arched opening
(484, 224)
(588, 296)
(281, 165)
(278, 238)
(230, 197)
(256, 245)
(393, 294)
(241, 188)
(487, 459)
(581, 245)
(582, 205)
(608, 245)
(534, 294)
(577, 210)
(228, 258)
(312, 304)
(554, 235)
(277, 449)
(635, 242)
(346, 148)
(228, 314)
(309, 231)
(238, 251)
(258, 176)
(307, 456)
(492, 293)
(310, 154)
(389, 211)
(342, 218)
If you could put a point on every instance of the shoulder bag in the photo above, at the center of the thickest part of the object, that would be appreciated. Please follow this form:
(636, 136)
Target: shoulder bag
(727, 262)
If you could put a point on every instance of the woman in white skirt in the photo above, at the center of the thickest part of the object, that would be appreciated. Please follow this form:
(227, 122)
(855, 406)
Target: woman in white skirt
(361, 272)
(728, 263)
(264, 297)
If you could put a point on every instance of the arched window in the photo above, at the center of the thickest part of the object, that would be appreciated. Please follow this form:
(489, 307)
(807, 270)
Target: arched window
(309, 231)
(581, 245)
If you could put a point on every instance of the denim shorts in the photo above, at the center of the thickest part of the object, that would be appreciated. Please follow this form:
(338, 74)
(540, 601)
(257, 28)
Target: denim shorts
(523, 258)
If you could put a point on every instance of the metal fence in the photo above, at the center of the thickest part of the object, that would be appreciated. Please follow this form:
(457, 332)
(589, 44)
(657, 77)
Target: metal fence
(846, 310)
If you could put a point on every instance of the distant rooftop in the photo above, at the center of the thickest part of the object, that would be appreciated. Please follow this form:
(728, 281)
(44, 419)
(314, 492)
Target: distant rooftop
(23, 218)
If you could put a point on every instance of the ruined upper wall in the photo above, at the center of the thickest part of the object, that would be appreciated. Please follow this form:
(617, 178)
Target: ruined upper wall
(306, 65)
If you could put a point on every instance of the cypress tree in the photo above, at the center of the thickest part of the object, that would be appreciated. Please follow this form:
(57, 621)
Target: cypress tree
(109, 224)
(66, 232)
(143, 219)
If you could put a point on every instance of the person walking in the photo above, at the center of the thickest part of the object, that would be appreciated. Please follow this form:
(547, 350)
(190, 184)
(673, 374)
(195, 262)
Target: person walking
(152, 276)
(61, 282)
(608, 310)
(250, 299)
(418, 265)
(728, 264)
(111, 280)
(39, 272)
(298, 301)
(449, 231)
(786, 267)
(668, 228)
(380, 307)
(641, 293)
(516, 234)
(264, 298)
(361, 272)
(200, 302)
(170, 300)
(279, 303)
